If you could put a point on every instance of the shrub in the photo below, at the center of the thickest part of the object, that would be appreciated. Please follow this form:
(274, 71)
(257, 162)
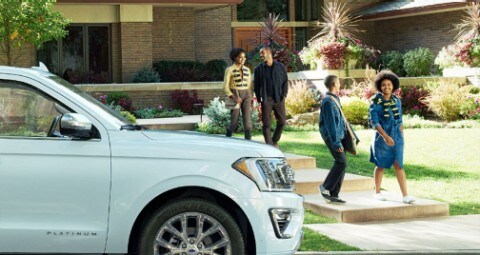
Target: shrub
(415, 121)
(393, 60)
(418, 62)
(160, 112)
(300, 99)
(128, 116)
(120, 98)
(445, 100)
(146, 75)
(190, 71)
(470, 108)
(413, 101)
(217, 69)
(183, 101)
(464, 124)
(355, 110)
(219, 119)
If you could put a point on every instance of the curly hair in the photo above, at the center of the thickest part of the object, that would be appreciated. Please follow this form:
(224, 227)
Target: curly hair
(386, 75)
(235, 52)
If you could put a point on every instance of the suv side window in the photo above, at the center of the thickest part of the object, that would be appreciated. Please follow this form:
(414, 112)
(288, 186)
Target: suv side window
(25, 111)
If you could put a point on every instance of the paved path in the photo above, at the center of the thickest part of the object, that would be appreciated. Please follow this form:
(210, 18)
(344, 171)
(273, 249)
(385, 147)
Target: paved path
(425, 234)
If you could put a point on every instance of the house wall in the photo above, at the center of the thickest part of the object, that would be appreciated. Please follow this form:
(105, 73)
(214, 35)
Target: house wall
(213, 34)
(136, 48)
(173, 34)
(432, 31)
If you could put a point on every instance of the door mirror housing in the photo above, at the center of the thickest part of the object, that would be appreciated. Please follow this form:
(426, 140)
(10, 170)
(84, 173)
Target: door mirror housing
(76, 126)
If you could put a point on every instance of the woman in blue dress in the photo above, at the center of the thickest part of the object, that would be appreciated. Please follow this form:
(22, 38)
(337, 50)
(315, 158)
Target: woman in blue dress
(386, 148)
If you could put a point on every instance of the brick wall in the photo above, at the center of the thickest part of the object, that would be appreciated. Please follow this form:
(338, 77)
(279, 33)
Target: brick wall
(136, 48)
(116, 53)
(149, 95)
(173, 34)
(213, 34)
(432, 31)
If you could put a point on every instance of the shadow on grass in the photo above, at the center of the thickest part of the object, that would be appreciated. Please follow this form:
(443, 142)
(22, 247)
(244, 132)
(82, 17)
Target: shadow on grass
(361, 165)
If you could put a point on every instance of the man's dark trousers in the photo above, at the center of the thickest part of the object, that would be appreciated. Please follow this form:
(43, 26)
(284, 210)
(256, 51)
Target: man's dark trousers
(279, 111)
(334, 179)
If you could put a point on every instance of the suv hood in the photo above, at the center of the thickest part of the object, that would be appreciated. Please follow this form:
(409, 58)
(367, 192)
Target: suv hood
(204, 142)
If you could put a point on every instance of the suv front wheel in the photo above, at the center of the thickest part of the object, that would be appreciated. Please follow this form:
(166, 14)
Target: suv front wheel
(191, 226)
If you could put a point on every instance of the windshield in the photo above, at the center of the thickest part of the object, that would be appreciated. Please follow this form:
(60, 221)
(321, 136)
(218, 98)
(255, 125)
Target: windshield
(89, 98)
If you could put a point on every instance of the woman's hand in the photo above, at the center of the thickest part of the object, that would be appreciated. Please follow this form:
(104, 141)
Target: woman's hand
(239, 100)
(389, 141)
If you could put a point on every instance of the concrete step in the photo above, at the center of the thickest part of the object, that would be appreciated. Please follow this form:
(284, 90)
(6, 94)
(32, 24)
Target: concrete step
(300, 162)
(308, 180)
(361, 207)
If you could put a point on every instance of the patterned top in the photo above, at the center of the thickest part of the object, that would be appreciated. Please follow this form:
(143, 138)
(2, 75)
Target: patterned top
(237, 78)
(388, 115)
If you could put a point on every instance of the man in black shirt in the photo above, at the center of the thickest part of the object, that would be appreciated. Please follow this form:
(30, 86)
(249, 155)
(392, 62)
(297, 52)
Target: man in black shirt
(271, 88)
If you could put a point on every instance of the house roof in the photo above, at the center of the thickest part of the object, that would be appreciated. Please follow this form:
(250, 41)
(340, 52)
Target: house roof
(403, 8)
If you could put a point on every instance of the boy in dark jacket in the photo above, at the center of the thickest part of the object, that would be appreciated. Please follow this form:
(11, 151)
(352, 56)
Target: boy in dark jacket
(332, 129)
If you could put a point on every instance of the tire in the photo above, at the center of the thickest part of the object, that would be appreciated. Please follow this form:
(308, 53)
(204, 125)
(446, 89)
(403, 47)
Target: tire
(209, 229)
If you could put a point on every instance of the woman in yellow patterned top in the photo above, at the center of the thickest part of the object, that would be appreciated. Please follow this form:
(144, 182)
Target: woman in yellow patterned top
(238, 85)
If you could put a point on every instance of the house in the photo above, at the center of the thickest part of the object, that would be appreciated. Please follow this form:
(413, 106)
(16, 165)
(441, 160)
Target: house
(116, 38)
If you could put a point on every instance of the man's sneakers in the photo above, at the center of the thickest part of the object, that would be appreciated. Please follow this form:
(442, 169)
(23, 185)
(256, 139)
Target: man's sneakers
(408, 199)
(328, 198)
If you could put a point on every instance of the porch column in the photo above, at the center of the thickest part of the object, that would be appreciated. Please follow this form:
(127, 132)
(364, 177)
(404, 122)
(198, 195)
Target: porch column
(135, 39)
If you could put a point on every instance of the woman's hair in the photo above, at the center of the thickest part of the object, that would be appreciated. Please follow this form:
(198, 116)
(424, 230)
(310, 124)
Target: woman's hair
(330, 81)
(386, 75)
(235, 52)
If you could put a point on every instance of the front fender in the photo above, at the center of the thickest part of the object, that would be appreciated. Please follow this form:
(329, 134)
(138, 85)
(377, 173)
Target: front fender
(125, 208)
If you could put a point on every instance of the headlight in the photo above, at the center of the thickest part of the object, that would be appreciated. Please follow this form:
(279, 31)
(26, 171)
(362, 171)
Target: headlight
(270, 174)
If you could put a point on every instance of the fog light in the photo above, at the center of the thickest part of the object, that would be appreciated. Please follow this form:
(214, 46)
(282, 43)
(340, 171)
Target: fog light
(281, 218)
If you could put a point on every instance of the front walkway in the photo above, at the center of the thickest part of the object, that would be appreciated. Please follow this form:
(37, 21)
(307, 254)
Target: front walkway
(461, 233)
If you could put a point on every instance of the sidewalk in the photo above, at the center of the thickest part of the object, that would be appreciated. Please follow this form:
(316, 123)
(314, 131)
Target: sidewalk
(456, 234)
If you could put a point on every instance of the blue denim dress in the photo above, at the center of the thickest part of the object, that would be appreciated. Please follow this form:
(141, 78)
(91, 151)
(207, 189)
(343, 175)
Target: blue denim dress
(388, 115)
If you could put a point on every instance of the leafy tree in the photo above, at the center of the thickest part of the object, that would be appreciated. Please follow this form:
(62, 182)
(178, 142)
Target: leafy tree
(25, 23)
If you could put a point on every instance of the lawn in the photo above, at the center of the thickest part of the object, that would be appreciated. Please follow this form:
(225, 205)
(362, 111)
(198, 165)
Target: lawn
(441, 164)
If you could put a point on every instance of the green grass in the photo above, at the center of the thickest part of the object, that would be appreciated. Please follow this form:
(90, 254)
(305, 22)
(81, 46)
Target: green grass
(441, 164)
(312, 241)
(313, 218)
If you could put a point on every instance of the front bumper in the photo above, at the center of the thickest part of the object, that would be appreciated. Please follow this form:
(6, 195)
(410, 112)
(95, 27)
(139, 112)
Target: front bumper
(269, 237)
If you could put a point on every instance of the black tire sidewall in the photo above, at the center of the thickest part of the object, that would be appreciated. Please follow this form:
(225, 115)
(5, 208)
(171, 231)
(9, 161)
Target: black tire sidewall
(152, 225)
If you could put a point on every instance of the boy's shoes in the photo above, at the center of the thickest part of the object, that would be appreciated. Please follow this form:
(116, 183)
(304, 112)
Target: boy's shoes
(379, 196)
(408, 199)
(324, 191)
(337, 200)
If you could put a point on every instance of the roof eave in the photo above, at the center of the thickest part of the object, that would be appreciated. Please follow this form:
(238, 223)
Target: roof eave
(414, 12)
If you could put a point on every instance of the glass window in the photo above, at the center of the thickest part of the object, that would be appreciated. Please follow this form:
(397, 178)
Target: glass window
(255, 10)
(25, 111)
(83, 56)
(314, 9)
(301, 10)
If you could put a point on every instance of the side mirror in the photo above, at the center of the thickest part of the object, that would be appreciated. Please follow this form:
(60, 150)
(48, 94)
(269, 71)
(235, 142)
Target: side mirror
(76, 126)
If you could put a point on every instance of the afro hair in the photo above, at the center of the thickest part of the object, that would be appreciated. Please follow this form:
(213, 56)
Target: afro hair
(386, 75)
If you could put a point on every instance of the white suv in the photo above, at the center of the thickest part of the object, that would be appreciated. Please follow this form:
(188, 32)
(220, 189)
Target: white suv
(77, 178)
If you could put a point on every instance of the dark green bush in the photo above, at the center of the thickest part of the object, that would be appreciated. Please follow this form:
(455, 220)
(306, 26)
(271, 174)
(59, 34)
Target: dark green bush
(190, 71)
(393, 60)
(121, 99)
(146, 75)
(217, 69)
(418, 62)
